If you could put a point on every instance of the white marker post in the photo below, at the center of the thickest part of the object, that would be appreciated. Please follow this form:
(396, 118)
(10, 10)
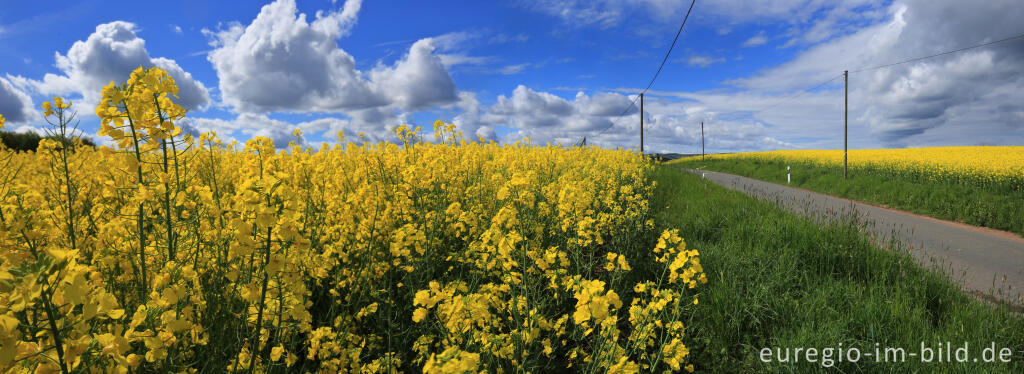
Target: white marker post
(787, 174)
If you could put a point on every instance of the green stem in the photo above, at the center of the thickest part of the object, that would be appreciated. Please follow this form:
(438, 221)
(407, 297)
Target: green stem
(167, 208)
(167, 190)
(67, 178)
(254, 344)
(138, 221)
(58, 341)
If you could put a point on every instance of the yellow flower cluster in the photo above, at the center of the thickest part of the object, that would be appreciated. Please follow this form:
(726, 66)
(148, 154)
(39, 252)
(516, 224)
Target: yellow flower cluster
(179, 254)
(979, 165)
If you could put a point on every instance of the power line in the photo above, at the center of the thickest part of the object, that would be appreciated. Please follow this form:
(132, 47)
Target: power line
(1018, 36)
(633, 103)
(802, 92)
(796, 95)
(680, 31)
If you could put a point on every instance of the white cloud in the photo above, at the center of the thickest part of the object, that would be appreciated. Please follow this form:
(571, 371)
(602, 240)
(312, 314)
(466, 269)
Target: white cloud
(453, 59)
(502, 38)
(756, 40)
(111, 53)
(513, 69)
(526, 101)
(177, 29)
(972, 97)
(670, 125)
(789, 10)
(15, 105)
(452, 47)
(475, 121)
(703, 61)
(418, 80)
(824, 61)
(26, 129)
(580, 12)
(280, 62)
(905, 103)
(602, 104)
(248, 125)
(547, 116)
(810, 21)
(606, 13)
(454, 40)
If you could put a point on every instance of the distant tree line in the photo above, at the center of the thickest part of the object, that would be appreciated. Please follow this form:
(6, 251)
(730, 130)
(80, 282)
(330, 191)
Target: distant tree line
(29, 141)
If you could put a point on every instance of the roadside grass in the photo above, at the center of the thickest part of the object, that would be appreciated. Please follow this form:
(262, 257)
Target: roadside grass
(783, 281)
(994, 206)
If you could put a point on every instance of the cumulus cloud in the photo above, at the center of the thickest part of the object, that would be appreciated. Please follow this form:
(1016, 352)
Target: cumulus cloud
(281, 62)
(418, 80)
(672, 121)
(546, 116)
(249, 125)
(969, 98)
(972, 97)
(670, 125)
(111, 53)
(906, 103)
(475, 121)
(15, 105)
(530, 108)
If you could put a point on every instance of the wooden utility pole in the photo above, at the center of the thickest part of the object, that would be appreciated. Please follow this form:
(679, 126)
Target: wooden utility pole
(641, 124)
(846, 113)
(702, 140)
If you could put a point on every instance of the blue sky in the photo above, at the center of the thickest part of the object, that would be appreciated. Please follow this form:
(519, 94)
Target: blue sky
(553, 71)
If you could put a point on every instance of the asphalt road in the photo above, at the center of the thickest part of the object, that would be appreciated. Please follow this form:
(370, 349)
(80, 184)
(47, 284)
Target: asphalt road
(988, 263)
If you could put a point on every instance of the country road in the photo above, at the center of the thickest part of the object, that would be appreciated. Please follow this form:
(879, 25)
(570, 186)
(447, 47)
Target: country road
(988, 263)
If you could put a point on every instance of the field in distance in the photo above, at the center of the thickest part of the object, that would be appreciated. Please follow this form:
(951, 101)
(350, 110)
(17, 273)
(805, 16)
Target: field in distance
(982, 186)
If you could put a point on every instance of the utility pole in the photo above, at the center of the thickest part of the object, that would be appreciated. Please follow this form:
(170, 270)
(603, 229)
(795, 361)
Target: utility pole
(846, 113)
(702, 140)
(641, 124)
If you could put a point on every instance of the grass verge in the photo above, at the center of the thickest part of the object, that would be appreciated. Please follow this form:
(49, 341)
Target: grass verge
(782, 281)
(997, 208)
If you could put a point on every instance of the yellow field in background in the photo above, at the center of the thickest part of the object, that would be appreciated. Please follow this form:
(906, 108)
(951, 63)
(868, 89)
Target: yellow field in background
(972, 164)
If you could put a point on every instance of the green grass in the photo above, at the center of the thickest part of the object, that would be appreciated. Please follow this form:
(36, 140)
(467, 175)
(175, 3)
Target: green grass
(780, 280)
(999, 207)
